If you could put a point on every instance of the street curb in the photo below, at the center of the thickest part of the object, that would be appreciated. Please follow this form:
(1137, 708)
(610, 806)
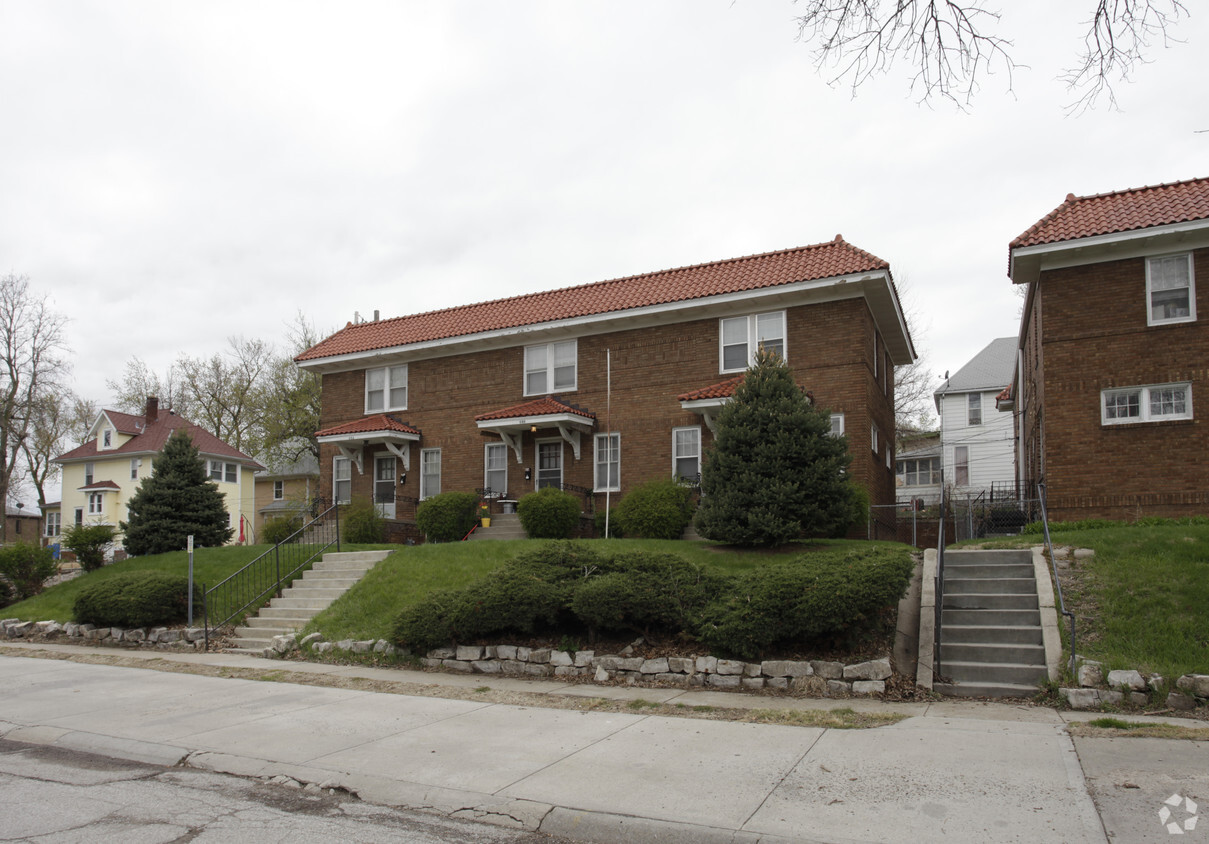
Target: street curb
(130, 750)
(606, 828)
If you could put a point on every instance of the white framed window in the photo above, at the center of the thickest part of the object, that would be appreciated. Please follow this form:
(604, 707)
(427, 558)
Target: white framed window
(1170, 289)
(495, 469)
(875, 439)
(278, 490)
(739, 338)
(96, 503)
(686, 454)
(551, 368)
(226, 472)
(89, 472)
(386, 388)
(134, 468)
(430, 472)
(608, 463)
(974, 409)
(837, 424)
(53, 524)
(342, 480)
(1157, 403)
(107, 438)
(889, 457)
(919, 471)
(961, 465)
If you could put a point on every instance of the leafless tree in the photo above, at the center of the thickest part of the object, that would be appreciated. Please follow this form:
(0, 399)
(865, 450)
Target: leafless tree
(292, 412)
(59, 420)
(139, 382)
(226, 392)
(914, 410)
(952, 44)
(31, 363)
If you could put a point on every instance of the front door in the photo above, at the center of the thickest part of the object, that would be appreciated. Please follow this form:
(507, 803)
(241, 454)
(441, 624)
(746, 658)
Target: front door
(384, 486)
(550, 464)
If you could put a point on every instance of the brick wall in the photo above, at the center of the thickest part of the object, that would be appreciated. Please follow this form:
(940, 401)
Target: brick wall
(829, 346)
(1095, 336)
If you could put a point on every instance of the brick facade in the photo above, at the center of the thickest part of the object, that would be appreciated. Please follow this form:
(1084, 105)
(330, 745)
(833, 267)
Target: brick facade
(831, 347)
(1087, 331)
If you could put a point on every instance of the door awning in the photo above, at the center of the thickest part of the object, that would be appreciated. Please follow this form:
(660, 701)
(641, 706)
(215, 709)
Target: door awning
(511, 423)
(379, 429)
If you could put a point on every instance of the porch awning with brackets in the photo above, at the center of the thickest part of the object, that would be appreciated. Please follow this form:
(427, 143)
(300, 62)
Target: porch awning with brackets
(511, 423)
(708, 400)
(379, 429)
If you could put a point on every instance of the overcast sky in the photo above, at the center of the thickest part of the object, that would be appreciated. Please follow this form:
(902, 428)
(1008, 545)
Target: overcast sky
(174, 173)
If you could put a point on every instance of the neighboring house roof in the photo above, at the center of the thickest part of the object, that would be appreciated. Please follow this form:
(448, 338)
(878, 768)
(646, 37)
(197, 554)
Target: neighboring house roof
(735, 275)
(304, 466)
(25, 512)
(1120, 211)
(375, 424)
(152, 439)
(101, 486)
(990, 369)
(723, 390)
(545, 406)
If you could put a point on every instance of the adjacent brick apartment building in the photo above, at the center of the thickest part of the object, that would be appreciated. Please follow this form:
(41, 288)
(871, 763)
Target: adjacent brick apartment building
(1113, 350)
(513, 395)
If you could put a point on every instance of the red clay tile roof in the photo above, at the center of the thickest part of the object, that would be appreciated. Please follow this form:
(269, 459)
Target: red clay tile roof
(375, 424)
(546, 406)
(752, 272)
(152, 441)
(1120, 211)
(724, 390)
(1005, 394)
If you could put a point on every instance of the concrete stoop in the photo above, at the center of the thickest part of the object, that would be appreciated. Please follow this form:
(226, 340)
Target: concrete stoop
(324, 582)
(503, 526)
(991, 642)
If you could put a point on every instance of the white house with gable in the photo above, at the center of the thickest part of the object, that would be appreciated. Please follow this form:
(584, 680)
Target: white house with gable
(977, 442)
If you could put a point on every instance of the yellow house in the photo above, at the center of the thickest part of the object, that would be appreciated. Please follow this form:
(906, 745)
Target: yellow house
(286, 489)
(100, 476)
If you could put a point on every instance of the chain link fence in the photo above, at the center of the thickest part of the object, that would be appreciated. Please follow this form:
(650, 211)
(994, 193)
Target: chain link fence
(974, 516)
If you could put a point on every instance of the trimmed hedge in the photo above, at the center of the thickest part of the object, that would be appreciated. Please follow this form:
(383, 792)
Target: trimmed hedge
(812, 596)
(447, 517)
(136, 599)
(279, 529)
(549, 514)
(656, 510)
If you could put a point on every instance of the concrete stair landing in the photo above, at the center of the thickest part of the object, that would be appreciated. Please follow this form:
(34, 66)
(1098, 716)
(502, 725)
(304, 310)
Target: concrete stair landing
(324, 582)
(503, 526)
(990, 639)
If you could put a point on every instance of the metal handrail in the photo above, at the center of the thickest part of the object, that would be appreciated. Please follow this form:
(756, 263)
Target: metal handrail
(940, 577)
(263, 576)
(1049, 547)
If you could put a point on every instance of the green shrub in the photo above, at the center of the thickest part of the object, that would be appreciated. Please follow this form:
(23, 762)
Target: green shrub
(656, 510)
(646, 592)
(1035, 528)
(447, 517)
(136, 599)
(814, 595)
(280, 528)
(548, 514)
(428, 624)
(860, 510)
(598, 524)
(362, 523)
(89, 543)
(24, 567)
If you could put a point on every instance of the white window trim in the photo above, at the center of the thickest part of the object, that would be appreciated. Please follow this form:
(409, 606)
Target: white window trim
(1150, 320)
(425, 492)
(278, 490)
(134, 468)
(1144, 404)
(562, 463)
(551, 388)
(753, 344)
(874, 439)
(970, 399)
(387, 388)
(597, 486)
(958, 464)
(54, 520)
(700, 448)
(99, 499)
(837, 432)
(336, 479)
(487, 447)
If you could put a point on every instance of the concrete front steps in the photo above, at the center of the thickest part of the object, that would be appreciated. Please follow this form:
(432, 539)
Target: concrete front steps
(503, 526)
(991, 642)
(324, 582)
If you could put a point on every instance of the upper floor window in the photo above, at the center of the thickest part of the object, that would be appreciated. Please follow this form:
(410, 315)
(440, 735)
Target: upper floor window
(107, 438)
(1158, 403)
(278, 490)
(386, 388)
(1170, 289)
(874, 439)
(974, 409)
(741, 337)
(89, 472)
(551, 367)
(220, 471)
(837, 425)
(134, 468)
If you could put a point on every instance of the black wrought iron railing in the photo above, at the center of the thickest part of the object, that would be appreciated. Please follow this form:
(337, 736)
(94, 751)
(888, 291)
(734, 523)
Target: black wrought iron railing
(1049, 549)
(264, 578)
(940, 579)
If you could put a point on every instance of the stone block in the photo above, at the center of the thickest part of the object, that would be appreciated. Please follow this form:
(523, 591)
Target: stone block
(169, 636)
(389, 650)
(787, 668)
(567, 671)
(681, 665)
(631, 663)
(363, 646)
(602, 674)
(117, 633)
(284, 644)
(778, 683)
(457, 666)
(72, 630)
(380, 646)
(1114, 698)
(321, 647)
(827, 670)
(513, 666)
(707, 664)
(468, 653)
(1155, 682)
(730, 666)
(1130, 678)
(868, 687)
(751, 669)
(491, 652)
(442, 653)
(523, 654)
(95, 634)
(838, 688)
(538, 669)
(1181, 701)
(583, 659)
(1139, 698)
(724, 681)
(488, 666)
(135, 635)
(347, 645)
(50, 628)
(1081, 698)
(561, 659)
(504, 652)
(670, 677)
(874, 669)
(1091, 674)
(153, 635)
(753, 682)
(195, 634)
(608, 663)
(654, 666)
(541, 656)
(696, 680)
(1084, 553)
(430, 662)
(1194, 684)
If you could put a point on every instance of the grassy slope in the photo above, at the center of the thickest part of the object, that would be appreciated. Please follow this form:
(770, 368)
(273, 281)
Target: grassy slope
(1143, 600)
(369, 609)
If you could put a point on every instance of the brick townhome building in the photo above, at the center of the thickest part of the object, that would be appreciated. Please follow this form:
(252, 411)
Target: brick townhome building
(512, 395)
(1114, 353)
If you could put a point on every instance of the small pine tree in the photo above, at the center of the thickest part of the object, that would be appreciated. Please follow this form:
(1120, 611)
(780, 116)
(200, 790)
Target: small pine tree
(774, 472)
(177, 500)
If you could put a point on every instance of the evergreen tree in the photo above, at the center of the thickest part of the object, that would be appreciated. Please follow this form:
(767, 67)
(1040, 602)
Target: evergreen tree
(774, 471)
(177, 500)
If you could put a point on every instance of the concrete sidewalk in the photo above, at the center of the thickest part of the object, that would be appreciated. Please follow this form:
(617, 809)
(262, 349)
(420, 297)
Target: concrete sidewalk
(952, 771)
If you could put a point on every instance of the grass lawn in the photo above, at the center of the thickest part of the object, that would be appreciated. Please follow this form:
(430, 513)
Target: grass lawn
(368, 610)
(1143, 600)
